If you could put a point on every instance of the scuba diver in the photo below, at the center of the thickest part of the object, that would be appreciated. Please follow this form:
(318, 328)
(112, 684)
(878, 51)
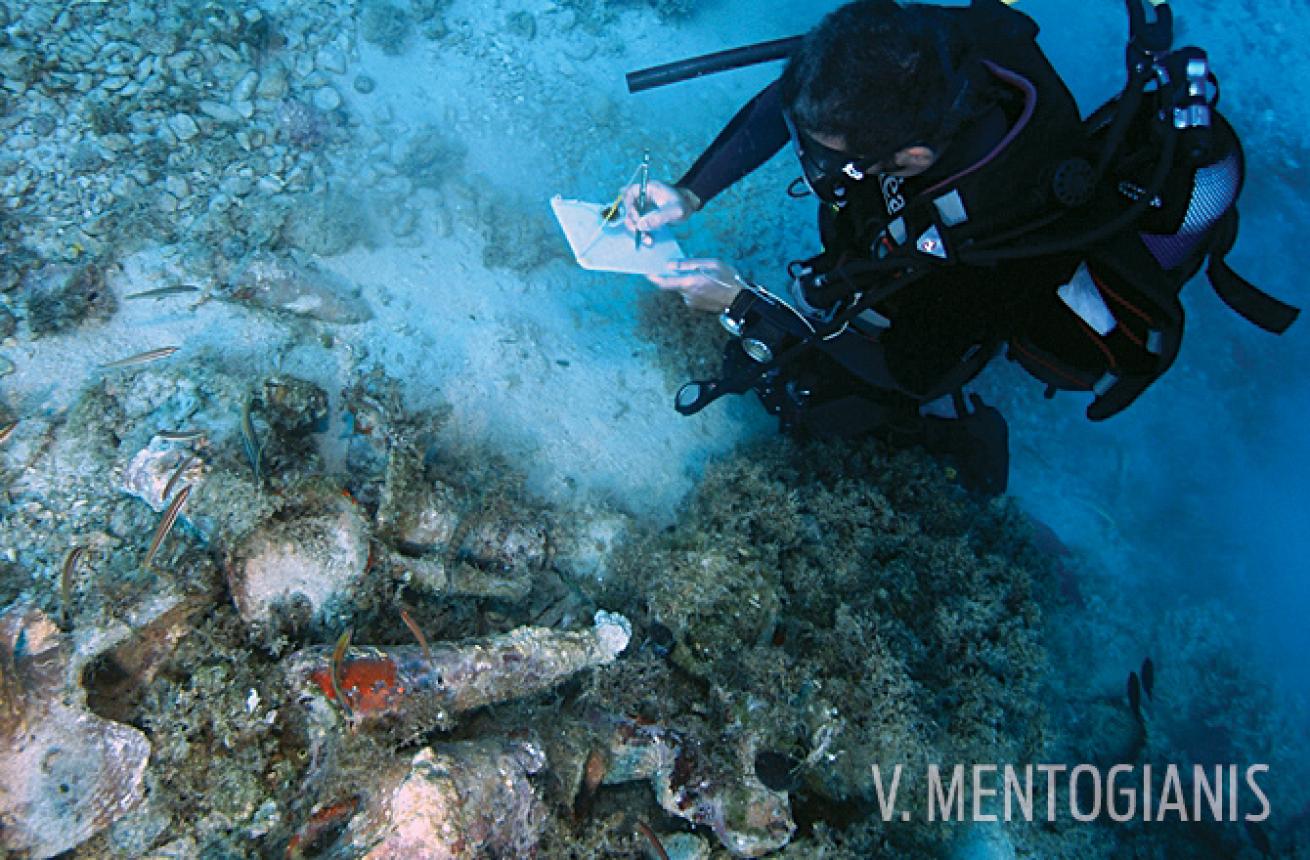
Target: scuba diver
(965, 206)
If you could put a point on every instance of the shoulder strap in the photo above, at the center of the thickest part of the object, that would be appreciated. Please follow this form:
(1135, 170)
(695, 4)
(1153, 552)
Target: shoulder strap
(1253, 303)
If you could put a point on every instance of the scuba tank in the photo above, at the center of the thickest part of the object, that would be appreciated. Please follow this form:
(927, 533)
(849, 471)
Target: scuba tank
(1149, 199)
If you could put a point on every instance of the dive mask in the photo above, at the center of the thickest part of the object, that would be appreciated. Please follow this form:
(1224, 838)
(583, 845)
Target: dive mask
(827, 170)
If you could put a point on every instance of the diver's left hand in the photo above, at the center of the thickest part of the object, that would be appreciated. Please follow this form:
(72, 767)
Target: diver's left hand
(706, 284)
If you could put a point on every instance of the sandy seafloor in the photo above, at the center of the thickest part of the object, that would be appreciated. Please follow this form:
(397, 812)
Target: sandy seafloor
(1192, 501)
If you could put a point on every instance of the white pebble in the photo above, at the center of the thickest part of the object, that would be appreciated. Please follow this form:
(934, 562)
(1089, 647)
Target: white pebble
(330, 59)
(219, 111)
(245, 88)
(177, 186)
(183, 126)
(271, 86)
(327, 99)
(116, 142)
(237, 186)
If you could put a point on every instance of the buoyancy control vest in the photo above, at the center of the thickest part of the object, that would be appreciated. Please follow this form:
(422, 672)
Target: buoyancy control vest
(1129, 204)
(1008, 185)
(1122, 320)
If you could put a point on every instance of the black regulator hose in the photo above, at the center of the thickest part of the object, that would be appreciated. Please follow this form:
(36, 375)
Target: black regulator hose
(709, 64)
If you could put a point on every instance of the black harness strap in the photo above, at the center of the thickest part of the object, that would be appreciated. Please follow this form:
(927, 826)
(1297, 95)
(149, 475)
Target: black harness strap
(901, 272)
(1253, 303)
(932, 237)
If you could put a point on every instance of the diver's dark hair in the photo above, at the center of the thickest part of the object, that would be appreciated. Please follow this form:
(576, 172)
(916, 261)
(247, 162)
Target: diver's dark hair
(875, 73)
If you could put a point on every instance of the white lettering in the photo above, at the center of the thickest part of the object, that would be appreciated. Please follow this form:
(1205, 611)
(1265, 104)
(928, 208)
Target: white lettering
(1019, 793)
(1171, 795)
(1051, 770)
(1074, 808)
(1120, 793)
(1255, 789)
(979, 792)
(1206, 792)
(886, 799)
(891, 194)
(1127, 793)
(939, 800)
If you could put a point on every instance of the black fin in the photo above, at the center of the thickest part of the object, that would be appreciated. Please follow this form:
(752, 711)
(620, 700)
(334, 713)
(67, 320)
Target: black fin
(1259, 838)
(1135, 695)
(1148, 678)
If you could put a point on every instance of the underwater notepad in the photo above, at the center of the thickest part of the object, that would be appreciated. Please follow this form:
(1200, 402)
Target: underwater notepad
(609, 247)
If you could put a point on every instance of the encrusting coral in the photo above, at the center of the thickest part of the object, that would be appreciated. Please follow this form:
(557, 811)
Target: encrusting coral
(844, 607)
(815, 610)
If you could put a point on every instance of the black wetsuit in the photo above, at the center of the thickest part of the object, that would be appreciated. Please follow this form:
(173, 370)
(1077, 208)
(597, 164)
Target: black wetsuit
(1012, 237)
(944, 328)
(945, 316)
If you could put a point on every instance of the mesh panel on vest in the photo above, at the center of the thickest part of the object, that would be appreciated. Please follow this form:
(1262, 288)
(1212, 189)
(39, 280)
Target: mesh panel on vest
(1213, 191)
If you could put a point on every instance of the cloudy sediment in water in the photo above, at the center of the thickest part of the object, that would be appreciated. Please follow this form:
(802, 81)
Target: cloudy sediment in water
(291, 345)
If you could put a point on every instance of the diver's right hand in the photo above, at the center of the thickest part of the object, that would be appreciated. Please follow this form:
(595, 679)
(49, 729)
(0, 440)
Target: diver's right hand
(665, 204)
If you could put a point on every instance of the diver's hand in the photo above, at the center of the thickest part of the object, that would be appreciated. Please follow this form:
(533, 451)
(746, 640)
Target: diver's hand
(665, 204)
(706, 285)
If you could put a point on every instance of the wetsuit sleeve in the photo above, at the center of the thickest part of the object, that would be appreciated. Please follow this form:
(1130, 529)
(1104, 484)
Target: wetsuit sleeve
(753, 136)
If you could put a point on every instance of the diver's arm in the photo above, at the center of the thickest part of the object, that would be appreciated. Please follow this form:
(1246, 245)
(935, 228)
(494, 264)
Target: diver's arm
(753, 136)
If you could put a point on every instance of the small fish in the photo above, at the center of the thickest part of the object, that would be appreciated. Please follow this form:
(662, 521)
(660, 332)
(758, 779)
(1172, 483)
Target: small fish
(180, 435)
(66, 582)
(655, 844)
(161, 292)
(418, 634)
(142, 357)
(593, 774)
(250, 441)
(7, 431)
(323, 826)
(172, 482)
(1135, 695)
(339, 654)
(777, 770)
(166, 524)
(1148, 678)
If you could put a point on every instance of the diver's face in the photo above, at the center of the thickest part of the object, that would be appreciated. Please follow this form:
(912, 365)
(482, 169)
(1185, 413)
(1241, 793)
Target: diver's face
(907, 162)
(829, 166)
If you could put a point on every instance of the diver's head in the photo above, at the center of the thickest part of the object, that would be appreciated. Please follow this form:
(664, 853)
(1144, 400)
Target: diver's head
(869, 90)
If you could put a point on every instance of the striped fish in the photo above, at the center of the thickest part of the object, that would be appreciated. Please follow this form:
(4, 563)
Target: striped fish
(172, 482)
(66, 583)
(250, 441)
(166, 524)
(161, 292)
(142, 357)
(180, 435)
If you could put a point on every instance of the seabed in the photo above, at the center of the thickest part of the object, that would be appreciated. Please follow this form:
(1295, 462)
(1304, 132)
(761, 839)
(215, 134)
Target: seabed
(344, 516)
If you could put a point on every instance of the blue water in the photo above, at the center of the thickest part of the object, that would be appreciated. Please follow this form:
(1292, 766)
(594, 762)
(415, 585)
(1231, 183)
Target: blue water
(1186, 518)
(1207, 477)
(1195, 502)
